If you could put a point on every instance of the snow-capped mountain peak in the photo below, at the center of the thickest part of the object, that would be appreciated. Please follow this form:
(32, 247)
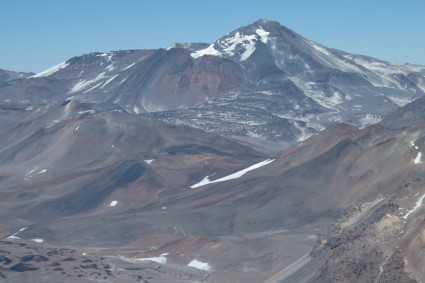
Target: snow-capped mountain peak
(261, 80)
(240, 43)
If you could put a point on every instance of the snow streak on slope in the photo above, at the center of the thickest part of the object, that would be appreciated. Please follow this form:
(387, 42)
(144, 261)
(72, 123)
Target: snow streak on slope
(162, 259)
(83, 84)
(235, 175)
(417, 205)
(51, 70)
(14, 236)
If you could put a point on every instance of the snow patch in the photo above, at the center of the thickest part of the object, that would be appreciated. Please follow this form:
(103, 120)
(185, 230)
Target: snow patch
(207, 51)
(31, 171)
(113, 203)
(246, 41)
(204, 182)
(107, 55)
(108, 81)
(149, 161)
(129, 66)
(229, 45)
(136, 110)
(235, 175)
(37, 240)
(417, 205)
(418, 158)
(51, 70)
(249, 49)
(264, 35)
(171, 46)
(94, 87)
(111, 67)
(199, 265)
(14, 236)
(162, 259)
(321, 49)
(91, 111)
(82, 84)
(42, 171)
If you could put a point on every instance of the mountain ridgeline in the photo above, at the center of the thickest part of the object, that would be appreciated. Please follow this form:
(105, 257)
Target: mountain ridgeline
(260, 81)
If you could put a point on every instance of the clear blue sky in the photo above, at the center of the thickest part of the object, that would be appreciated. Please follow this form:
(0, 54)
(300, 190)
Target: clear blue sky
(37, 34)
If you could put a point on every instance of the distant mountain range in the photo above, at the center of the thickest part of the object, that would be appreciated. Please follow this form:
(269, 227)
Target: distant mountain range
(260, 81)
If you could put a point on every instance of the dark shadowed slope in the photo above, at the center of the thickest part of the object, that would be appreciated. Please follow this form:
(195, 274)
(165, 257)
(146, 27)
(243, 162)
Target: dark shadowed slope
(406, 116)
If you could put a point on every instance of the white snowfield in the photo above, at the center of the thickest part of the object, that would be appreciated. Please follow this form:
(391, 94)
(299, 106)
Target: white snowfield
(162, 259)
(113, 203)
(417, 205)
(149, 161)
(37, 240)
(207, 51)
(230, 44)
(199, 265)
(51, 70)
(235, 175)
(264, 35)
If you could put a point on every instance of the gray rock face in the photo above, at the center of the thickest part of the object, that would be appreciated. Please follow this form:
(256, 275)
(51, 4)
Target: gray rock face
(260, 81)
(407, 115)
(6, 75)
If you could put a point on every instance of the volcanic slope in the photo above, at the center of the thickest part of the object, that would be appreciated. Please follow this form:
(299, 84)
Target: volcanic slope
(139, 191)
(261, 81)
